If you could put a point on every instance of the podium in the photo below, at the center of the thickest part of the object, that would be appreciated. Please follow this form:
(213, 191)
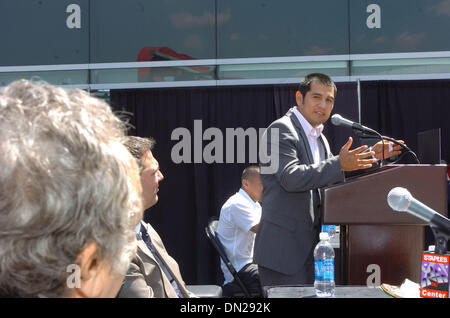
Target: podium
(373, 233)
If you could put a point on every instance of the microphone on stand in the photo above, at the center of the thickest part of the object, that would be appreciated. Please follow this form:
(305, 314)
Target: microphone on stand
(399, 199)
(434, 270)
(338, 120)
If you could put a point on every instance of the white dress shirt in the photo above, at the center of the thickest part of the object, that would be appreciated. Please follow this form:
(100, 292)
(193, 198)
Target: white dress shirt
(237, 216)
(312, 134)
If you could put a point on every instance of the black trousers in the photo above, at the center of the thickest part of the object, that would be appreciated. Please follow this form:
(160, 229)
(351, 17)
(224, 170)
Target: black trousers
(249, 275)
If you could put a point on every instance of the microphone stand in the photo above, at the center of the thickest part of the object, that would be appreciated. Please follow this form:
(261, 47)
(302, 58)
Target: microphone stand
(364, 134)
(441, 239)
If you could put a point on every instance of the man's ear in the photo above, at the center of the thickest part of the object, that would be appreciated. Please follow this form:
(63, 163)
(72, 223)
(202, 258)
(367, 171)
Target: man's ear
(89, 263)
(299, 98)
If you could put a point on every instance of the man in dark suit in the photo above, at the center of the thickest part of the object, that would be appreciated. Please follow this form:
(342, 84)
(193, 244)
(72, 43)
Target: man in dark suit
(153, 272)
(290, 222)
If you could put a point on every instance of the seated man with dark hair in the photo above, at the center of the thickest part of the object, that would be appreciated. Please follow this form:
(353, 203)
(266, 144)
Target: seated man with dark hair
(69, 194)
(237, 227)
(153, 272)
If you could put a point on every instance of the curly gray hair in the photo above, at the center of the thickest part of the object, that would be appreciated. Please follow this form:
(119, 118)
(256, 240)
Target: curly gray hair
(64, 182)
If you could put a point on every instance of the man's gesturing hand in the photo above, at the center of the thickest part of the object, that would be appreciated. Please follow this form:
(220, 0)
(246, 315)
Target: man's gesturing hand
(390, 149)
(354, 159)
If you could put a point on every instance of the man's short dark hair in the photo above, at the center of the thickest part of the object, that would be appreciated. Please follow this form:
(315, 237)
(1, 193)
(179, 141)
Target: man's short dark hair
(305, 84)
(250, 172)
(137, 146)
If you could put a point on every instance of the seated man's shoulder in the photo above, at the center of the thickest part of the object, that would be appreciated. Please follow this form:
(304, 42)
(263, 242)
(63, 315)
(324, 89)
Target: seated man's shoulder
(156, 239)
(231, 201)
(150, 229)
(237, 202)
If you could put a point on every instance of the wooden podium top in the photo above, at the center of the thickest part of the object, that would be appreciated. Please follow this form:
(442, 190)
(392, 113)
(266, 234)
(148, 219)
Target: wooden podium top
(363, 199)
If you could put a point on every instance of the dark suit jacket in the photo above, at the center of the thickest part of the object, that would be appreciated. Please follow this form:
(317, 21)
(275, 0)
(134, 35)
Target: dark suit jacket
(290, 201)
(145, 278)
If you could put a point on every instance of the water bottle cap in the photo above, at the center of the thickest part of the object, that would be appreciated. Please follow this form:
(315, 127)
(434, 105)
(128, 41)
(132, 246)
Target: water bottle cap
(324, 236)
(431, 248)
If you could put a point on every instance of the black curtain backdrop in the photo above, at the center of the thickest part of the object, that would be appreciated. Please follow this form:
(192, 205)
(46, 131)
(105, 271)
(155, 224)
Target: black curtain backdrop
(401, 109)
(193, 192)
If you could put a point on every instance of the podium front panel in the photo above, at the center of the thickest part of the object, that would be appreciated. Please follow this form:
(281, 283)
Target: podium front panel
(363, 200)
(395, 249)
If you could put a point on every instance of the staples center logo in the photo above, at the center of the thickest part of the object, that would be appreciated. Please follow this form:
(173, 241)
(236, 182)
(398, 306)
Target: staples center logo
(436, 258)
(433, 293)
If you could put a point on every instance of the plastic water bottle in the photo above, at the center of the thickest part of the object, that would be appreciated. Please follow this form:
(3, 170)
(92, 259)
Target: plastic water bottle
(324, 267)
(330, 229)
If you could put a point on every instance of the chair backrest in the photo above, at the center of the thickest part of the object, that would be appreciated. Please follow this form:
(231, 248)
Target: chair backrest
(210, 230)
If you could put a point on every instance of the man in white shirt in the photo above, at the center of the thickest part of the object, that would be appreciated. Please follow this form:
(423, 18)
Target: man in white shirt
(237, 227)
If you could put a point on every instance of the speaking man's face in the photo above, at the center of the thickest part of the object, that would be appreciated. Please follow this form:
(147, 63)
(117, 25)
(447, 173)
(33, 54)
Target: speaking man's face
(317, 104)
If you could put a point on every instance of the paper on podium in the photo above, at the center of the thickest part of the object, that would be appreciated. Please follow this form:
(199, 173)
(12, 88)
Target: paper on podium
(408, 289)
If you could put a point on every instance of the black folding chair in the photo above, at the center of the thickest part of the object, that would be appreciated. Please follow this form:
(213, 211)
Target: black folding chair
(211, 233)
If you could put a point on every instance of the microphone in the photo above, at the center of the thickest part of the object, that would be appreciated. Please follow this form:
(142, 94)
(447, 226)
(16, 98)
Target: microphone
(434, 275)
(399, 199)
(338, 120)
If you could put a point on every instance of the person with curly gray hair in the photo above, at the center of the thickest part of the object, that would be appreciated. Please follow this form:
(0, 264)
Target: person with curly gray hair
(70, 194)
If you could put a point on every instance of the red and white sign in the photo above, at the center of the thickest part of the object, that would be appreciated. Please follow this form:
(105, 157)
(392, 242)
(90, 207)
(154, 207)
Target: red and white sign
(428, 293)
(441, 259)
